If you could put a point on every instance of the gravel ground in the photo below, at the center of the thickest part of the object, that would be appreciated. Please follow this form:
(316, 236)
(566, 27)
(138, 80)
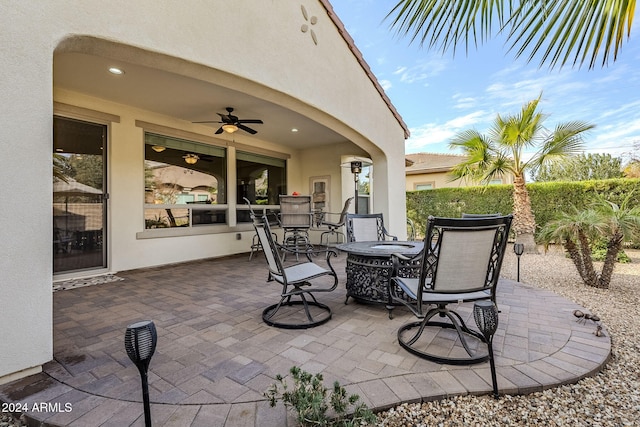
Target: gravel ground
(611, 398)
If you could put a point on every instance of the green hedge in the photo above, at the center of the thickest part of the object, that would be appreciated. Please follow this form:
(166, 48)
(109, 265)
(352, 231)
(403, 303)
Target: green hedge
(547, 199)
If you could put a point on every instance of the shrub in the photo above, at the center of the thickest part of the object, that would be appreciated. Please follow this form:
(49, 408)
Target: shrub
(308, 398)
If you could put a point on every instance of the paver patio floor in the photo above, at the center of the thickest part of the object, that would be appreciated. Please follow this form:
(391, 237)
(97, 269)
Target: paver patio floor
(215, 357)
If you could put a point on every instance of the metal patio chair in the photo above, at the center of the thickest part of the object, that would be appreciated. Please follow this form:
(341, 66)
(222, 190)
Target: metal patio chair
(296, 218)
(255, 241)
(366, 228)
(298, 307)
(460, 263)
(334, 227)
(478, 215)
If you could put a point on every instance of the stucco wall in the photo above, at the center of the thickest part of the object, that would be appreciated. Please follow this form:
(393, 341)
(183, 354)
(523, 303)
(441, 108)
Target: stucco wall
(278, 55)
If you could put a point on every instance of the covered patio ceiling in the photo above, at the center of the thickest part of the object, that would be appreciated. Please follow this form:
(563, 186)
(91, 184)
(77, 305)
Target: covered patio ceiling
(185, 98)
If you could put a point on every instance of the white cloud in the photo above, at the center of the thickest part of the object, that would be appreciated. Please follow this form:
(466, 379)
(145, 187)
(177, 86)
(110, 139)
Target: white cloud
(422, 70)
(386, 84)
(464, 102)
(425, 137)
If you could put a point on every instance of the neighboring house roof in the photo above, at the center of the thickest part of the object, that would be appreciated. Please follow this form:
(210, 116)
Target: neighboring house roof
(356, 52)
(420, 163)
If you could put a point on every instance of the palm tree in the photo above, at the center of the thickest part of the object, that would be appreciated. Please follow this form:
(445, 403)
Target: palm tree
(579, 229)
(560, 31)
(502, 152)
(59, 168)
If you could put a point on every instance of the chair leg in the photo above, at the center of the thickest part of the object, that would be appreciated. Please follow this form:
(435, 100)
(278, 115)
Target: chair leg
(457, 323)
(285, 302)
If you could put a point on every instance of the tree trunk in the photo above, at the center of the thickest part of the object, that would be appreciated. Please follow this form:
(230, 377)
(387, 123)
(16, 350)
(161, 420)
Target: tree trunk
(587, 260)
(613, 248)
(577, 259)
(524, 223)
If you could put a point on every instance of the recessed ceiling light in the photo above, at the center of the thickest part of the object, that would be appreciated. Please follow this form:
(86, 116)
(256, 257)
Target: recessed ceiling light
(116, 71)
(294, 130)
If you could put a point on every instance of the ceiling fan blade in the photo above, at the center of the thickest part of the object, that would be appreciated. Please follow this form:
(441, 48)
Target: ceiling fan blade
(247, 129)
(225, 118)
(219, 131)
(209, 121)
(257, 121)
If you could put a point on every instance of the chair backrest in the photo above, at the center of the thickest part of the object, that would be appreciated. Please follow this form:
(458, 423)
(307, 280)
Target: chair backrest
(487, 215)
(365, 227)
(295, 211)
(269, 248)
(463, 255)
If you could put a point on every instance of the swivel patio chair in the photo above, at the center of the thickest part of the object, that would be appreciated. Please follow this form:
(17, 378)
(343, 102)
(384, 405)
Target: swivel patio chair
(255, 241)
(298, 307)
(460, 263)
(296, 218)
(478, 215)
(334, 227)
(366, 228)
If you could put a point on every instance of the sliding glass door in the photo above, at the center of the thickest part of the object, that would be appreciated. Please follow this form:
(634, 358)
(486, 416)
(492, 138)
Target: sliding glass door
(79, 209)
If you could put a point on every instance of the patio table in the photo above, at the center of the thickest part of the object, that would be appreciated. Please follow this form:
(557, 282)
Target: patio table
(370, 268)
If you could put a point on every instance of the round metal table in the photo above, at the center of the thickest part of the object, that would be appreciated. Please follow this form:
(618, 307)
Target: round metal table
(370, 268)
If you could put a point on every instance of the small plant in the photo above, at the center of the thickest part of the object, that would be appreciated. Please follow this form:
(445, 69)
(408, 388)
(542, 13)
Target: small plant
(308, 398)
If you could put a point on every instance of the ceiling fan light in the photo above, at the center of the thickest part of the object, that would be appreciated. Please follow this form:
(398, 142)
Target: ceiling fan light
(191, 158)
(158, 148)
(229, 128)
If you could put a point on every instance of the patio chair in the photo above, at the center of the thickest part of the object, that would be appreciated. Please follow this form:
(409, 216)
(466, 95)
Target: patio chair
(477, 215)
(255, 241)
(298, 307)
(296, 218)
(460, 263)
(411, 230)
(334, 227)
(366, 228)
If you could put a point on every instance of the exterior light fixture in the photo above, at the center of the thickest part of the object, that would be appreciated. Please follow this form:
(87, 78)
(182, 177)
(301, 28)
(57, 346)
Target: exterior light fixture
(191, 158)
(356, 169)
(485, 314)
(294, 130)
(518, 249)
(158, 148)
(229, 128)
(117, 71)
(140, 342)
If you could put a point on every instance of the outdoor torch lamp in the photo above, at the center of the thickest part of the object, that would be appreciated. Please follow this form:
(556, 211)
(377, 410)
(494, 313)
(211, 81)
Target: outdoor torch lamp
(518, 248)
(356, 169)
(140, 342)
(485, 314)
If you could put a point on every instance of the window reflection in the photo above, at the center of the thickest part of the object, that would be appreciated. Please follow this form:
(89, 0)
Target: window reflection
(180, 172)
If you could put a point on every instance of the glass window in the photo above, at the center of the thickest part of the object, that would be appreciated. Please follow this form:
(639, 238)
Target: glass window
(184, 180)
(260, 179)
(424, 186)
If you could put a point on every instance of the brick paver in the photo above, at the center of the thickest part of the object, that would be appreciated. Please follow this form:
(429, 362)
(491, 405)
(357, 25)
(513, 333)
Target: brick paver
(215, 357)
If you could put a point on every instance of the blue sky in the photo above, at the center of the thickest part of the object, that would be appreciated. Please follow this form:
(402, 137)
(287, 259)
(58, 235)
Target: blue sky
(439, 95)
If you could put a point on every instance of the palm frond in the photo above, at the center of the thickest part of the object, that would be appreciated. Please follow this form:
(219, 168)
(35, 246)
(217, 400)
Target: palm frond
(560, 32)
(573, 32)
(566, 140)
(445, 24)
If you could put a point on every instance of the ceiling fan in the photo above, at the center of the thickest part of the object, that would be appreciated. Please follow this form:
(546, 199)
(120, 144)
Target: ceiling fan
(231, 123)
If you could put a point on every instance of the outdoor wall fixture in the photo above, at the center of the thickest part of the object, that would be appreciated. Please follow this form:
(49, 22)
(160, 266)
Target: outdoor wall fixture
(229, 128)
(485, 314)
(117, 71)
(158, 148)
(518, 249)
(140, 342)
(191, 158)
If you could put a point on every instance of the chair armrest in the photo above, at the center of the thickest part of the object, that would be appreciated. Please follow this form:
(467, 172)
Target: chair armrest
(397, 257)
(386, 233)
